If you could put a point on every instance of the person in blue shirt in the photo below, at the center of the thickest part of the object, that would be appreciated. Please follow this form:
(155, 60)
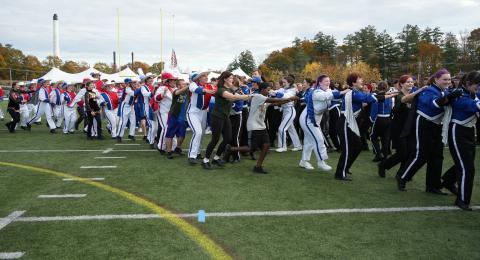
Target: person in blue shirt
(347, 125)
(380, 116)
(426, 134)
(461, 140)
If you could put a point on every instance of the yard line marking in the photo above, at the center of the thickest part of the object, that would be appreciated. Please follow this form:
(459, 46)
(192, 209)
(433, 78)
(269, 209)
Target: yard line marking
(239, 214)
(108, 150)
(92, 179)
(11, 255)
(202, 240)
(10, 218)
(127, 144)
(47, 151)
(120, 157)
(99, 167)
(61, 196)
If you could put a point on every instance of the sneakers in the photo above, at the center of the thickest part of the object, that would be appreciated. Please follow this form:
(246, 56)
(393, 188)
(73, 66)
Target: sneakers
(306, 165)
(462, 205)
(281, 150)
(119, 139)
(206, 165)
(322, 165)
(381, 170)
(297, 149)
(192, 161)
(259, 170)
(131, 137)
(170, 155)
(178, 151)
(219, 162)
(400, 183)
(52, 131)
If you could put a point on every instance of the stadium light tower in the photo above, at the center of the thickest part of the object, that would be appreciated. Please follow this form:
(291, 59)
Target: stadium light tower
(56, 37)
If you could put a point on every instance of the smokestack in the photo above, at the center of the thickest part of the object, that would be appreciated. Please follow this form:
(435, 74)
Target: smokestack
(56, 37)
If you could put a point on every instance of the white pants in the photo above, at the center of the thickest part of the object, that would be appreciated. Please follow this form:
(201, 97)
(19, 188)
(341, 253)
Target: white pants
(58, 114)
(287, 125)
(197, 122)
(111, 116)
(70, 115)
(162, 119)
(127, 113)
(33, 110)
(313, 139)
(44, 108)
(24, 115)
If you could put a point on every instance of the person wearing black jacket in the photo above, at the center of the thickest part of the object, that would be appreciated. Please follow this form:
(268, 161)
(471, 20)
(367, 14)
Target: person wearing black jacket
(13, 108)
(92, 110)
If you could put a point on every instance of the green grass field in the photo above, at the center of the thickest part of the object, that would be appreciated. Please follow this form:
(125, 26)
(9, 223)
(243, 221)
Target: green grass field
(180, 188)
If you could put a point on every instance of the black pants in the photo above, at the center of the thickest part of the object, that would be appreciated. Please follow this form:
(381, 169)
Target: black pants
(381, 130)
(90, 119)
(244, 132)
(400, 156)
(425, 147)
(274, 119)
(333, 117)
(223, 127)
(364, 126)
(236, 122)
(351, 147)
(296, 122)
(15, 117)
(461, 142)
(81, 117)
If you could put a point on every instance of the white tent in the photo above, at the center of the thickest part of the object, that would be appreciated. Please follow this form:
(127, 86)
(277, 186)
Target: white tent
(56, 75)
(241, 73)
(212, 75)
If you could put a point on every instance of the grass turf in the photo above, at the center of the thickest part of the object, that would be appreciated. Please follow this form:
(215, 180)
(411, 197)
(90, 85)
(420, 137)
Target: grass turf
(186, 189)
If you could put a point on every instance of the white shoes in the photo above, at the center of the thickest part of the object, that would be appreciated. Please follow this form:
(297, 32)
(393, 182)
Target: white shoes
(306, 165)
(297, 149)
(281, 150)
(208, 131)
(324, 166)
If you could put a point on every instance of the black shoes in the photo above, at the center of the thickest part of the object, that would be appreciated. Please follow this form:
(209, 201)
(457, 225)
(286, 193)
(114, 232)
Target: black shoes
(119, 139)
(377, 159)
(381, 170)
(259, 170)
(52, 131)
(178, 151)
(192, 161)
(219, 162)
(206, 165)
(131, 137)
(170, 155)
(162, 152)
(100, 138)
(400, 183)
(343, 179)
(435, 191)
(462, 205)
(451, 187)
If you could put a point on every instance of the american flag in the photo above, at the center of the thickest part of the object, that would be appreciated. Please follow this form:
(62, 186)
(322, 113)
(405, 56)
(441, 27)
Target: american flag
(173, 61)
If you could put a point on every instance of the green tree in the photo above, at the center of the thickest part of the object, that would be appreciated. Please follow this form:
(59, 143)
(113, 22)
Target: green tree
(388, 55)
(451, 52)
(52, 62)
(277, 60)
(409, 38)
(246, 61)
(103, 67)
(233, 65)
(157, 68)
(34, 66)
(325, 46)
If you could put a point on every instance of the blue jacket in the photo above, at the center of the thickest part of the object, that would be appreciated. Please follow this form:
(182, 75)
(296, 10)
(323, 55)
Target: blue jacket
(427, 105)
(337, 99)
(358, 98)
(381, 109)
(464, 108)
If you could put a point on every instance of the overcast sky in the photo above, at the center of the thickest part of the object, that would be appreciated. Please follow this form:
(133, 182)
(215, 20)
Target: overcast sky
(210, 34)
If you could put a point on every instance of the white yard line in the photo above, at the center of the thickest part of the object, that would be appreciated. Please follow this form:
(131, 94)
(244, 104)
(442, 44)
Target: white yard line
(61, 196)
(11, 255)
(242, 214)
(92, 179)
(99, 167)
(119, 157)
(10, 218)
(47, 151)
(126, 144)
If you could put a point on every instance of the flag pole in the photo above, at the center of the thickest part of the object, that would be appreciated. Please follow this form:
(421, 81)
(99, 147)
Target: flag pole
(118, 39)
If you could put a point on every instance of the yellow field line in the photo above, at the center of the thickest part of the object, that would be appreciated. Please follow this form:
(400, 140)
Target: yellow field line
(214, 250)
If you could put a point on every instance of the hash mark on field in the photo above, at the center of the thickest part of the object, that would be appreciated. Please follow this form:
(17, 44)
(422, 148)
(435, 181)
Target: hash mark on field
(120, 157)
(108, 150)
(241, 214)
(98, 167)
(61, 196)
(11, 255)
(10, 218)
(92, 179)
